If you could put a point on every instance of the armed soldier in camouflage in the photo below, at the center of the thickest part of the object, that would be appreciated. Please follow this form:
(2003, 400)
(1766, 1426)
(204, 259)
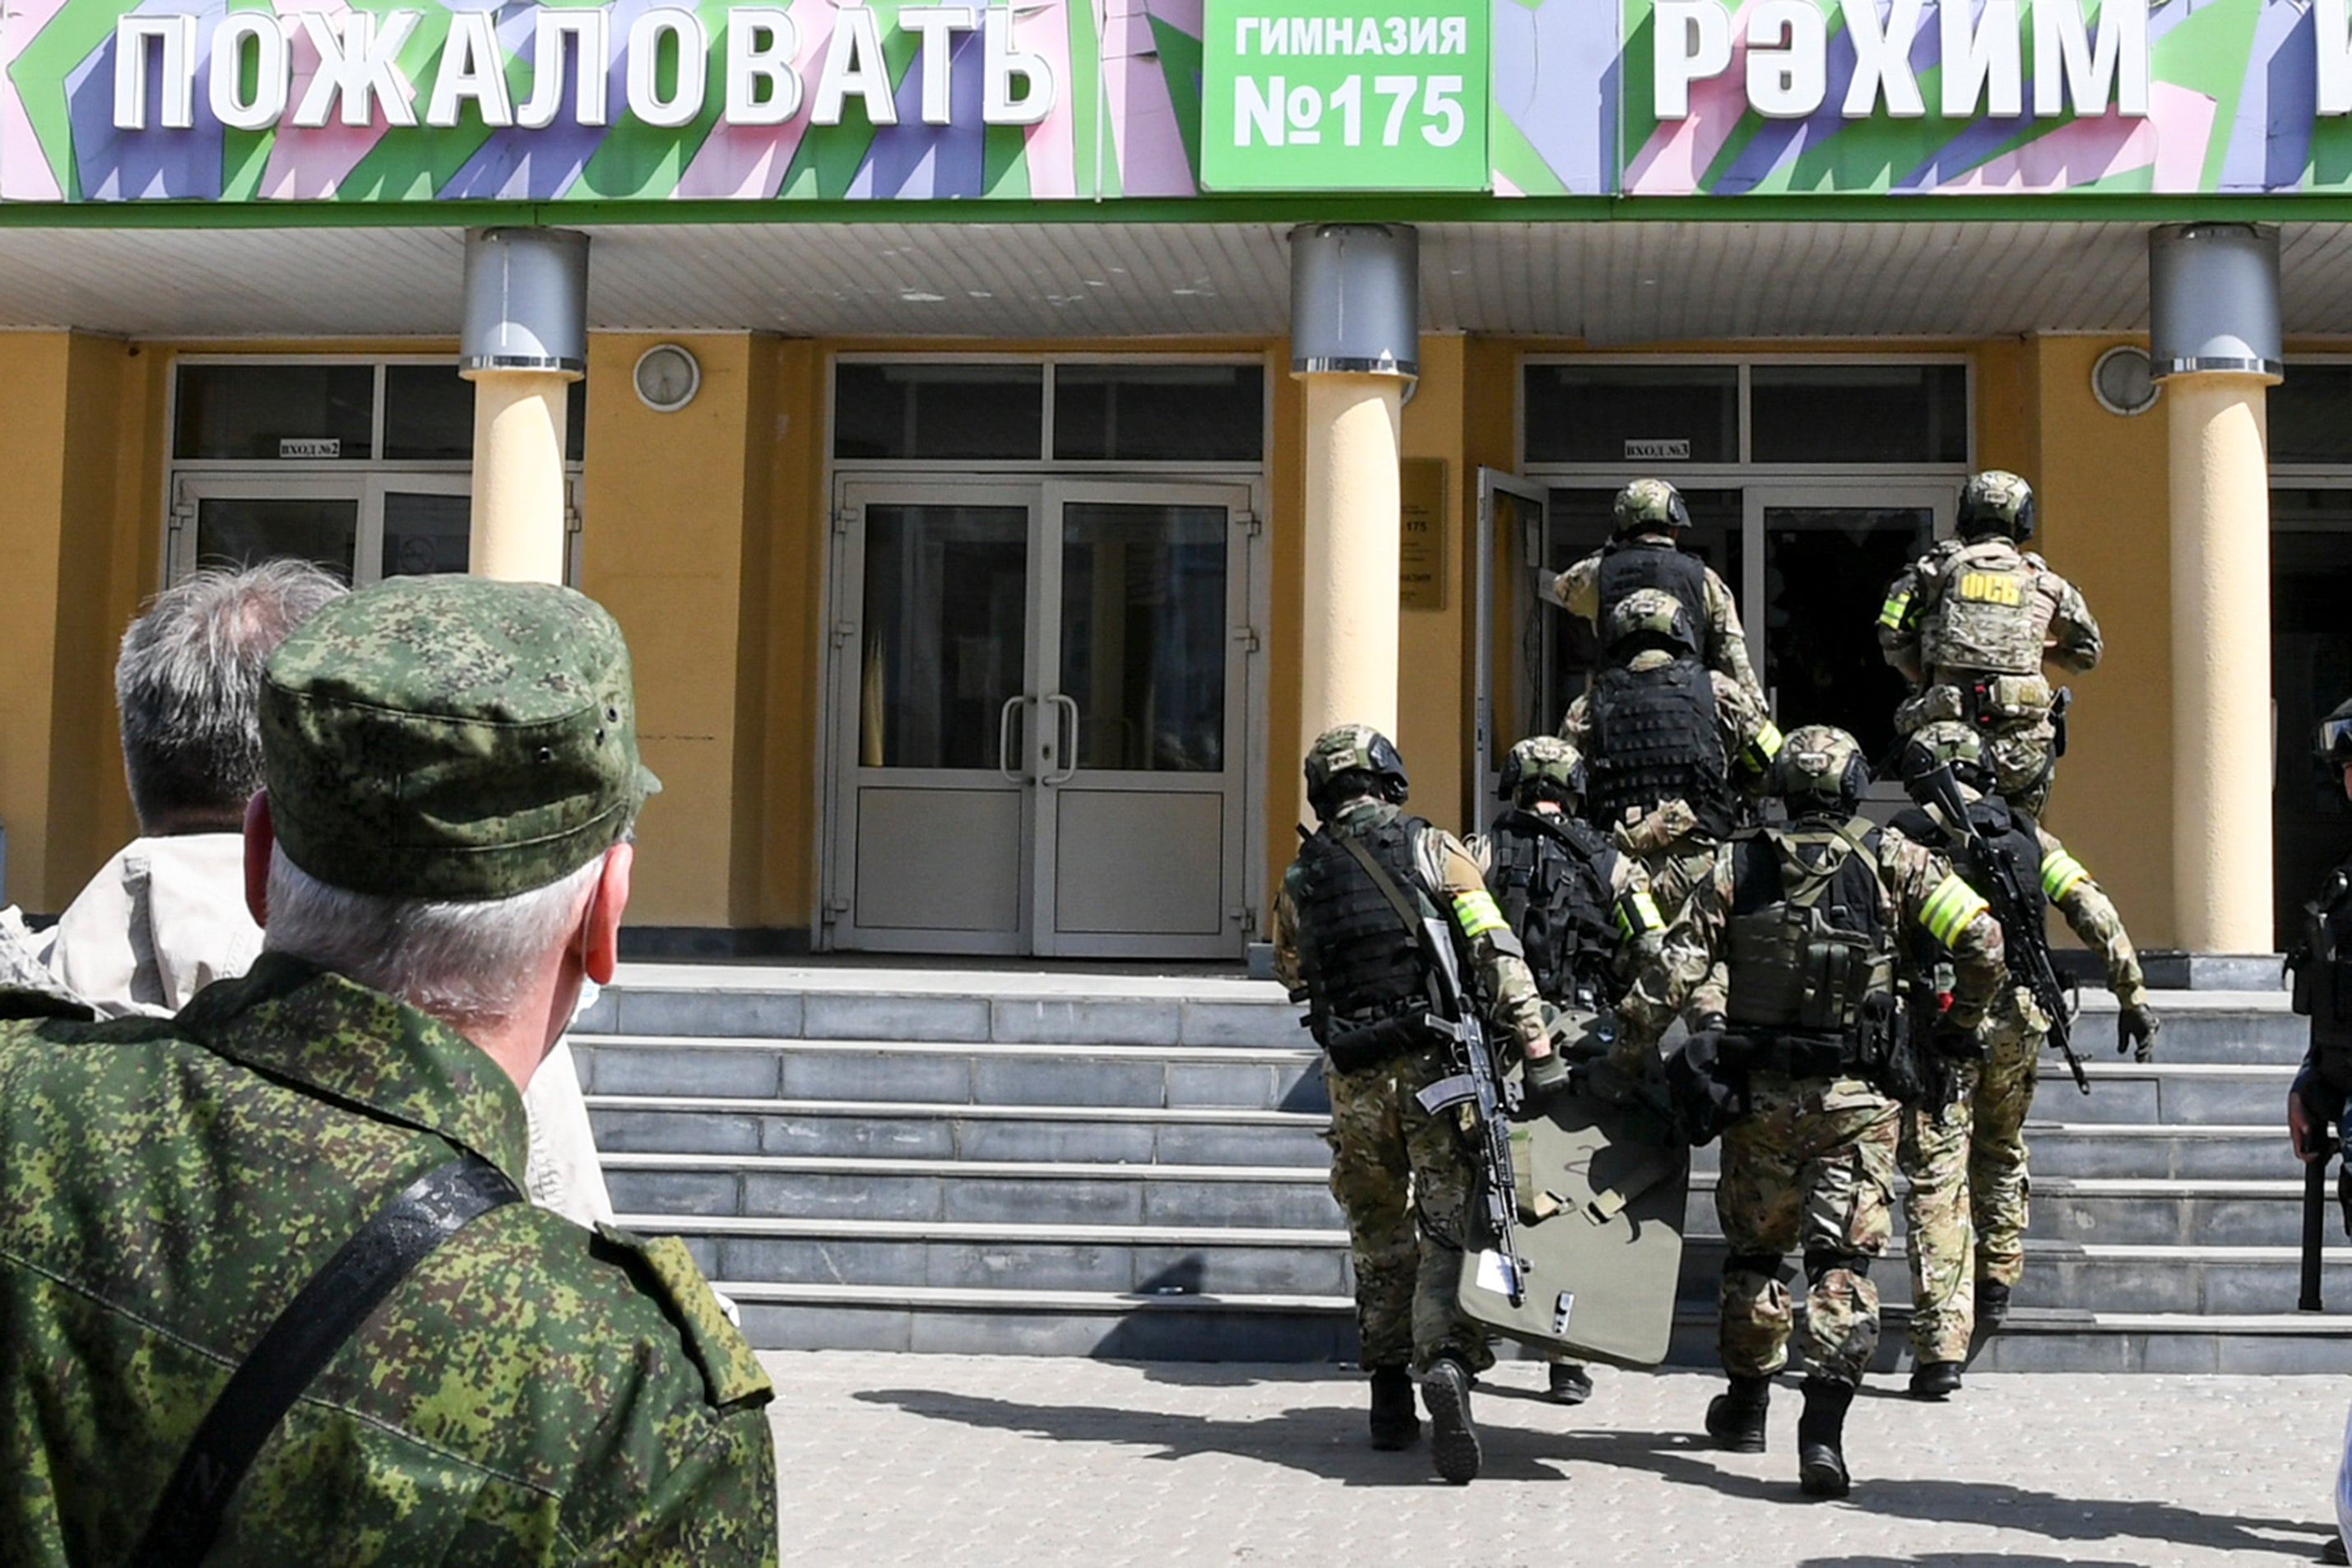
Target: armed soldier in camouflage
(1674, 750)
(439, 860)
(1644, 551)
(1402, 1177)
(1581, 910)
(1965, 1157)
(1971, 625)
(1784, 964)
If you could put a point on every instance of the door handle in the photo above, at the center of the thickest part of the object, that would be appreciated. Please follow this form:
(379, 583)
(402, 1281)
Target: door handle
(1005, 738)
(1061, 774)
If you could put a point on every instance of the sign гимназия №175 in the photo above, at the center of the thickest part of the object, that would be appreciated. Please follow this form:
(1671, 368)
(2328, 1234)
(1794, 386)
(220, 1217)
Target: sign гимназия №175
(1344, 95)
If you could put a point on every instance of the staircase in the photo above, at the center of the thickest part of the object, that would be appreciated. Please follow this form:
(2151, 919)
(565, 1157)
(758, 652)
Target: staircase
(1132, 1166)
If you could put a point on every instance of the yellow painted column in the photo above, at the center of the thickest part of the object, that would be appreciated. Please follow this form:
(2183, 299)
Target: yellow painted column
(2221, 660)
(517, 522)
(1349, 659)
(526, 340)
(2214, 338)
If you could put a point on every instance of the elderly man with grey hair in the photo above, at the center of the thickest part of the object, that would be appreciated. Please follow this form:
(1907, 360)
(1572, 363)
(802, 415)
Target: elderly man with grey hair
(166, 916)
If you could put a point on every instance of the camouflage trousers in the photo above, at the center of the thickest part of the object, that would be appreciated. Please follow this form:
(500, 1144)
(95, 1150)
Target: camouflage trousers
(2019, 740)
(1402, 1179)
(1967, 1206)
(1676, 868)
(1810, 1167)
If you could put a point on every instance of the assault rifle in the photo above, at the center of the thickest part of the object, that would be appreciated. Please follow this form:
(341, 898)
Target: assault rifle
(1931, 783)
(1476, 1082)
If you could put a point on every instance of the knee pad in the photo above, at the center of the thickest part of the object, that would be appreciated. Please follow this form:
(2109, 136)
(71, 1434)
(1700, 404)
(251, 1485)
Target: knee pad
(1818, 1264)
(1765, 1263)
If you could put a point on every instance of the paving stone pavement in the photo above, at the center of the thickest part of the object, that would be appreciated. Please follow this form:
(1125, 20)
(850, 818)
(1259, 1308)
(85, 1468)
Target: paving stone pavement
(975, 1461)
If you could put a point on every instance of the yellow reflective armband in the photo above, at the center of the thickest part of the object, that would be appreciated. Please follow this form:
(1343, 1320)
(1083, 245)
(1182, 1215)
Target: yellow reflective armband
(1891, 614)
(1476, 915)
(1765, 744)
(1949, 908)
(1637, 913)
(2061, 873)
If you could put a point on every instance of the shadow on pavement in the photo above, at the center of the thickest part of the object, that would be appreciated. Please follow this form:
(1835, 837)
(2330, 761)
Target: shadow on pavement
(1678, 1458)
(1321, 1440)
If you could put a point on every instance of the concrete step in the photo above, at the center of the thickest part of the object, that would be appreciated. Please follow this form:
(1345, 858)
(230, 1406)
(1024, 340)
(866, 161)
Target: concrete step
(1112, 1135)
(2238, 1026)
(2128, 1211)
(1260, 1077)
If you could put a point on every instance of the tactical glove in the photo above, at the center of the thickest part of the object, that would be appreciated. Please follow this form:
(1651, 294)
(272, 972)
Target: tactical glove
(1952, 1040)
(1546, 1077)
(2136, 1031)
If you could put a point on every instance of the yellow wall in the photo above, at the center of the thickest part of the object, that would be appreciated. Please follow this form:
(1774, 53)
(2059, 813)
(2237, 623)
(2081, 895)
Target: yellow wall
(1434, 712)
(2103, 522)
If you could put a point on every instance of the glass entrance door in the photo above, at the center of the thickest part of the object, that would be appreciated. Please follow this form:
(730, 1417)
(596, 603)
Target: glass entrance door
(2311, 672)
(1039, 698)
(1816, 585)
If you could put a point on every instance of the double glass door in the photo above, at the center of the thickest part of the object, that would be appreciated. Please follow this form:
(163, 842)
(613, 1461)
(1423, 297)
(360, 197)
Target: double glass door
(1038, 692)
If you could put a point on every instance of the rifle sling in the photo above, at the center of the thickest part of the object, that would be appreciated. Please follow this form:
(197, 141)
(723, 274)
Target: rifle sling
(1387, 885)
(323, 1315)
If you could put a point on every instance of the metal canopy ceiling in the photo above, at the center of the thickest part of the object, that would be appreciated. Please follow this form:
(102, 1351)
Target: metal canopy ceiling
(1609, 283)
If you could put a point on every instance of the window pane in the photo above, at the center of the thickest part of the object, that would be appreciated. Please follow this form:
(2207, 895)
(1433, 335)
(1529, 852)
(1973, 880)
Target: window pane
(424, 534)
(946, 612)
(2311, 415)
(1859, 412)
(1825, 574)
(1143, 635)
(1602, 413)
(1580, 521)
(237, 534)
(428, 415)
(246, 410)
(1160, 413)
(965, 411)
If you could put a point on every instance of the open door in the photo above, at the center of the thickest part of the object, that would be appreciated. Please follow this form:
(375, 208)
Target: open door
(1509, 699)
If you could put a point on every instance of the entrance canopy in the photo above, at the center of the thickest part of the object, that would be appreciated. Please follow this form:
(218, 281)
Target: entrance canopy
(1620, 282)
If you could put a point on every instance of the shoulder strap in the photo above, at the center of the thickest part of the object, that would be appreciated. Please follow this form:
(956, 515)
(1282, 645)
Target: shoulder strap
(324, 1315)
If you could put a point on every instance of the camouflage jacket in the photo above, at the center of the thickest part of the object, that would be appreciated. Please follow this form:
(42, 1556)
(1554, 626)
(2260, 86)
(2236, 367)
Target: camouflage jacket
(2059, 619)
(1578, 591)
(533, 1392)
(1456, 885)
(1918, 884)
(2093, 917)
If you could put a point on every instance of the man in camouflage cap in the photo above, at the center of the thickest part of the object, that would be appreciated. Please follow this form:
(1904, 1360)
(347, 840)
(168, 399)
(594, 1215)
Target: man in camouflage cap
(1644, 551)
(439, 860)
(1401, 1174)
(1972, 624)
(1964, 1155)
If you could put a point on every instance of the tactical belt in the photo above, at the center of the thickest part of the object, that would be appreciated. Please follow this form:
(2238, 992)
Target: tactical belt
(1354, 1047)
(1794, 1055)
(323, 1316)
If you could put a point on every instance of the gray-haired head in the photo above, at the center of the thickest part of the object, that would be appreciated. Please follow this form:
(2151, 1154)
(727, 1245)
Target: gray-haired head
(188, 683)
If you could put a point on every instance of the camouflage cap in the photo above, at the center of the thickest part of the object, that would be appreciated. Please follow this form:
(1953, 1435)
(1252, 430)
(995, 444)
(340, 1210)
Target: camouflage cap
(451, 738)
(1650, 503)
(1996, 501)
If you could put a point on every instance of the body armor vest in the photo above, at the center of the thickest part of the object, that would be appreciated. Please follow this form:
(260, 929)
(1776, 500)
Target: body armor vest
(1359, 960)
(1807, 951)
(1654, 738)
(1631, 564)
(1550, 876)
(1989, 617)
(2009, 835)
(2323, 978)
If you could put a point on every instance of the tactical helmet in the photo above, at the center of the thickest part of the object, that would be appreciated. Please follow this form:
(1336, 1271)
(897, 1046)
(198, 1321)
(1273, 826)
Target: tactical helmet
(1819, 765)
(1996, 501)
(1353, 748)
(1648, 504)
(1652, 614)
(2334, 742)
(2022, 771)
(1541, 765)
(1946, 742)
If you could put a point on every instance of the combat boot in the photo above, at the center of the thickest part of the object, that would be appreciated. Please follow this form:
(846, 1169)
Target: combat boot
(1821, 1440)
(1735, 1419)
(1452, 1441)
(1935, 1378)
(1993, 1305)
(1568, 1384)
(1394, 1424)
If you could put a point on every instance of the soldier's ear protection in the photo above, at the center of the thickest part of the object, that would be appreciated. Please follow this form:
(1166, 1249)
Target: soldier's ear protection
(1677, 513)
(2334, 743)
